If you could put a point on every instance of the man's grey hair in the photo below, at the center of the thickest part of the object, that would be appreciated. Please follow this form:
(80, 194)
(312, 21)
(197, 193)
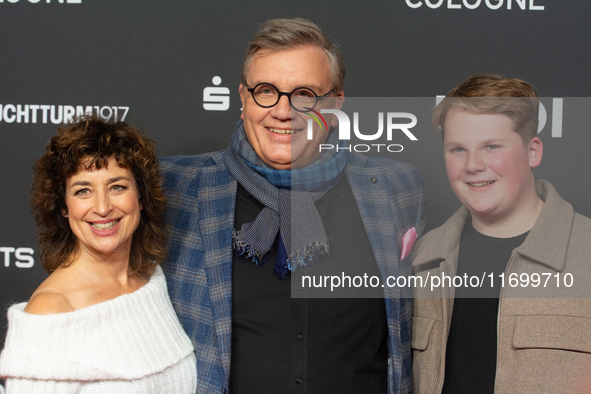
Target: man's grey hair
(281, 34)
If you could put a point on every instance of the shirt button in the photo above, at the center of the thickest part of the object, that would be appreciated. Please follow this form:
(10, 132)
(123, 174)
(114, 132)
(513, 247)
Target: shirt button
(300, 336)
(298, 380)
(374, 179)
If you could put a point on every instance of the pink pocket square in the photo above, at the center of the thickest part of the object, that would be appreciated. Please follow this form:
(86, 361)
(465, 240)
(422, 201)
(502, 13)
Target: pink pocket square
(408, 240)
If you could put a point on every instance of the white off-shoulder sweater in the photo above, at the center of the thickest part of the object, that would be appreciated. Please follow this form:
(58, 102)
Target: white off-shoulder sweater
(130, 344)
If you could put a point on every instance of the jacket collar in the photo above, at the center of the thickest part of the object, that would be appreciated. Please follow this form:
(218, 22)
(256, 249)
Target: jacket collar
(546, 243)
(446, 237)
(369, 186)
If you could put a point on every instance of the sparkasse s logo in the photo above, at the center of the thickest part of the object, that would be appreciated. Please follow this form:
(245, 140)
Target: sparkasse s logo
(216, 98)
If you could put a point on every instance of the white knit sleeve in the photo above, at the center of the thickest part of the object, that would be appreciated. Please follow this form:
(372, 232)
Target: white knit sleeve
(177, 379)
(132, 344)
(37, 386)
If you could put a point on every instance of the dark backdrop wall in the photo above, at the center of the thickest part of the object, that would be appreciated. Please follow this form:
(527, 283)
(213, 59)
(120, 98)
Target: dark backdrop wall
(172, 67)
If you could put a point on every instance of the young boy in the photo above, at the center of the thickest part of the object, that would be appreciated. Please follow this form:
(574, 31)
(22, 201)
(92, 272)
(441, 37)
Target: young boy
(517, 339)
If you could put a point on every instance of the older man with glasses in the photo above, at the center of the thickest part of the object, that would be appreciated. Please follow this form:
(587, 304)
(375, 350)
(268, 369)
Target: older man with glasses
(271, 206)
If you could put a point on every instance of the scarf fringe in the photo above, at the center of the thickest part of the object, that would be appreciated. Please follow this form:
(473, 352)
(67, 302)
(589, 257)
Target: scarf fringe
(301, 257)
(242, 250)
(283, 264)
(281, 270)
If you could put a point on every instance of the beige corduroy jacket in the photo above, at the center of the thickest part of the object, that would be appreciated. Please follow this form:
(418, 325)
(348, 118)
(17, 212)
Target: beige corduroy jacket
(544, 333)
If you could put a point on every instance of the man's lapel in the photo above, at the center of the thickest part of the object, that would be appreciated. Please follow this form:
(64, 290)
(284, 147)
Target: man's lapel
(217, 202)
(370, 189)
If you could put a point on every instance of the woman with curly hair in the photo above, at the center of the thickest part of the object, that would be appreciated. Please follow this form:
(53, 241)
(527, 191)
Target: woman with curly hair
(102, 321)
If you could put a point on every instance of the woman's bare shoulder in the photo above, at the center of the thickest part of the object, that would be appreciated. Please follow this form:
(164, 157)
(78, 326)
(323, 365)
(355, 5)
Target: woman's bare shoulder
(51, 296)
(48, 303)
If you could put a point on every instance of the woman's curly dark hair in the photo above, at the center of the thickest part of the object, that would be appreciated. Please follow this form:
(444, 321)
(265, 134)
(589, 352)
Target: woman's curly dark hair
(91, 137)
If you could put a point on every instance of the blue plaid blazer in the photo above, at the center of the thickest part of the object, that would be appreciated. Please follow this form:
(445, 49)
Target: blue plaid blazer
(200, 212)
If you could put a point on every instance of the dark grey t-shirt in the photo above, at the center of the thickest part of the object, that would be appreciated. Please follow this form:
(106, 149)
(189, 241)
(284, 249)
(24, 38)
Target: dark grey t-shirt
(471, 355)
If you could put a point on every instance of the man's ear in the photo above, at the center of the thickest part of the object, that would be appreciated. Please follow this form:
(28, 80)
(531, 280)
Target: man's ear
(338, 104)
(535, 150)
(242, 98)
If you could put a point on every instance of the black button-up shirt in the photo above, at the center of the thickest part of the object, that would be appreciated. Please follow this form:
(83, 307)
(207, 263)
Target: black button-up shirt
(282, 344)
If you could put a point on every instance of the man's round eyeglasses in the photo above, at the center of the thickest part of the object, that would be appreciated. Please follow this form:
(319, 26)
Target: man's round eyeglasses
(301, 99)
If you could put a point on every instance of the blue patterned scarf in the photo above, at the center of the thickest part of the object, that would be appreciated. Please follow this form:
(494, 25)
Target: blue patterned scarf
(283, 192)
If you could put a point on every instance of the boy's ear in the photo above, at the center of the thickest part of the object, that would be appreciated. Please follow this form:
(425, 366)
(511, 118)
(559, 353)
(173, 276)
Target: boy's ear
(535, 149)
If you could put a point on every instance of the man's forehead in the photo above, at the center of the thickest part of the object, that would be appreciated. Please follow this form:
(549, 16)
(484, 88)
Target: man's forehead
(292, 66)
(265, 51)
